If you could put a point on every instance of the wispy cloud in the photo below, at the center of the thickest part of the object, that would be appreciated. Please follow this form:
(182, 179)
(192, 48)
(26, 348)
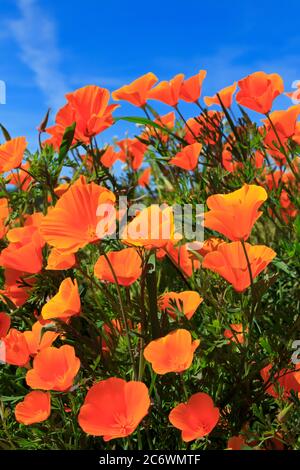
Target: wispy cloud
(35, 33)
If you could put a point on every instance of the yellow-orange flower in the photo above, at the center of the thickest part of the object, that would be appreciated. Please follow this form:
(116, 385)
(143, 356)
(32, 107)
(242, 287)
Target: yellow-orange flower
(58, 260)
(234, 214)
(153, 227)
(171, 353)
(72, 223)
(186, 302)
(65, 304)
(124, 265)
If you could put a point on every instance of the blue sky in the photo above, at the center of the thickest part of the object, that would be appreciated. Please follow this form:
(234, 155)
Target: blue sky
(49, 48)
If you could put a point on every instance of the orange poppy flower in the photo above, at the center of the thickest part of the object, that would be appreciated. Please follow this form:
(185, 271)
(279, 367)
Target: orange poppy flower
(234, 214)
(186, 302)
(4, 209)
(34, 220)
(204, 127)
(58, 260)
(4, 213)
(285, 381)
(230, 262)
(136, 92)
(61, 189)
(167, 121)
(132, 151)
(65, 304)
(16, 351)
(228, 162)
(13, 288)
(209, 245)
(72, 223)
(114, 408)
(24, 253)
(180, 257)
(153, 227)
(171, 353)
(35, 408)
(144, 178)
(30, 231)
(196, 418)
(258, 159)
(109, 157)
(191, 87)
(286, 180)
(88, 107)
(11, 153)
(126, 265)
(54, 369)
(296, 136)
(288, 209)
(284, 123)
(20, 178)
(167, 92)
(65, 117)
(225, 95)
(236, 333)
(37, 340)
(188, 157)
(92, 112)
(4, 324)
(258, 91)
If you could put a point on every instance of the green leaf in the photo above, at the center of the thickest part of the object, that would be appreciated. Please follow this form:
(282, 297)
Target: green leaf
(5, 133)
(283, 267)
(148, 122)
(66, 142)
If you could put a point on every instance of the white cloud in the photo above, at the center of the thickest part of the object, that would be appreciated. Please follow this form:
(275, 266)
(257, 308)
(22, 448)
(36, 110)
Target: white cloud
(35, 34)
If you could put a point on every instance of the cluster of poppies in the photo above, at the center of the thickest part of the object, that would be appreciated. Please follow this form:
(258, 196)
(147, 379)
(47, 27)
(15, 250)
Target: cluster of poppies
(55, 232)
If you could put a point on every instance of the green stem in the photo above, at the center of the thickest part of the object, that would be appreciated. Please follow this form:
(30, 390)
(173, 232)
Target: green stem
(124, 316)
(152, 295)
(282, 149)
(251, 282)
